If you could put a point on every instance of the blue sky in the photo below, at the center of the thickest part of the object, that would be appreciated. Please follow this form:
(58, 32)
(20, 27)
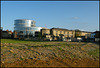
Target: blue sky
(83, 15)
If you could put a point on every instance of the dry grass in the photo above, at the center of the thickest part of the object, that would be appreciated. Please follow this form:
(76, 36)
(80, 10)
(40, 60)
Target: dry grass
(14, 50)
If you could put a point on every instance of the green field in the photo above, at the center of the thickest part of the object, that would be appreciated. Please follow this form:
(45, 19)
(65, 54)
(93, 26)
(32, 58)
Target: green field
(35, 43)
(21, 41)
(16, 41)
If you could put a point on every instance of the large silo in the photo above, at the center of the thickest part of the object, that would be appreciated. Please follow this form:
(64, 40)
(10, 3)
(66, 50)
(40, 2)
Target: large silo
(25, 27)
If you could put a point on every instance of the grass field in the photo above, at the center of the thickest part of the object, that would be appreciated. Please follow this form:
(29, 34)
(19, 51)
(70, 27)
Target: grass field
(17, 41)
(43, 51)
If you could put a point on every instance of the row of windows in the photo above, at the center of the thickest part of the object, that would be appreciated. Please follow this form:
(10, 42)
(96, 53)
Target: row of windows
(65, 35)
(26, 32)
(27, 28)
(64, 32)
(24, 25)
(24, 21)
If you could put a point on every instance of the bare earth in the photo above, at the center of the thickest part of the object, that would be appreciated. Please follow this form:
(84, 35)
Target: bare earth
(50, 54)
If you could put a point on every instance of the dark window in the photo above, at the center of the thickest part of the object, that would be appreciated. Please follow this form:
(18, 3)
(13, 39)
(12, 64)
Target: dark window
(32, 25)
(31, 22)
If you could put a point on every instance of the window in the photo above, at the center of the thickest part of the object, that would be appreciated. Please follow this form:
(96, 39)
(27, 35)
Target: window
(60, 32)
(32, 26)
(68, 34)
(64, 32)
(31, 22)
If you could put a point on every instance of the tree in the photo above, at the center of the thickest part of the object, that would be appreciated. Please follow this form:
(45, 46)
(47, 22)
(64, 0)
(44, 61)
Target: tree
(39, 35)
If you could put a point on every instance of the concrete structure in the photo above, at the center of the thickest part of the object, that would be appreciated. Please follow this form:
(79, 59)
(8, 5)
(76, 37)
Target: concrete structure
(25, 28)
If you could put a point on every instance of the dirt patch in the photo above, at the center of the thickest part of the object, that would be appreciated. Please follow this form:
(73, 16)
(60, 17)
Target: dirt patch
(54, 62)
(38, 54)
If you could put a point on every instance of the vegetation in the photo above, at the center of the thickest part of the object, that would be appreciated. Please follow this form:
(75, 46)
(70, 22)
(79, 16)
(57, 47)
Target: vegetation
(17, 41)
(94, 52)
(60, 49)
(39, 35)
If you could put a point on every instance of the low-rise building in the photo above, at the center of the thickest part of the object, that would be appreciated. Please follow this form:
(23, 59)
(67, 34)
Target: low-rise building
(92, 35)
(97, 36)
(15, 34)
(65, 34)
(45, 32)
(1, 32)
(57, 33)
(62, 33)
(86, 34)
(7, 34)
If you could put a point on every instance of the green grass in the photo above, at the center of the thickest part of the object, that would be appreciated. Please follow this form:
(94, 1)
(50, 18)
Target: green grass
(21, 58)
(94, 53)
(60, 49)
(22, 41)
(14, 41)
(14, 54)
(38, 43)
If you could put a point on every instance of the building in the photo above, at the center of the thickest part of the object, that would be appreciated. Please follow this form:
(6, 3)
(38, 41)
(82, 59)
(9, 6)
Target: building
(15, 34)
(57, 33)
(92, 35)
(64, 32)
(1, 32)
(82, 35)
(7, 34)
(1, 28)
(45, 31)
(25, 28)
(97, 36)
(86, 34)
